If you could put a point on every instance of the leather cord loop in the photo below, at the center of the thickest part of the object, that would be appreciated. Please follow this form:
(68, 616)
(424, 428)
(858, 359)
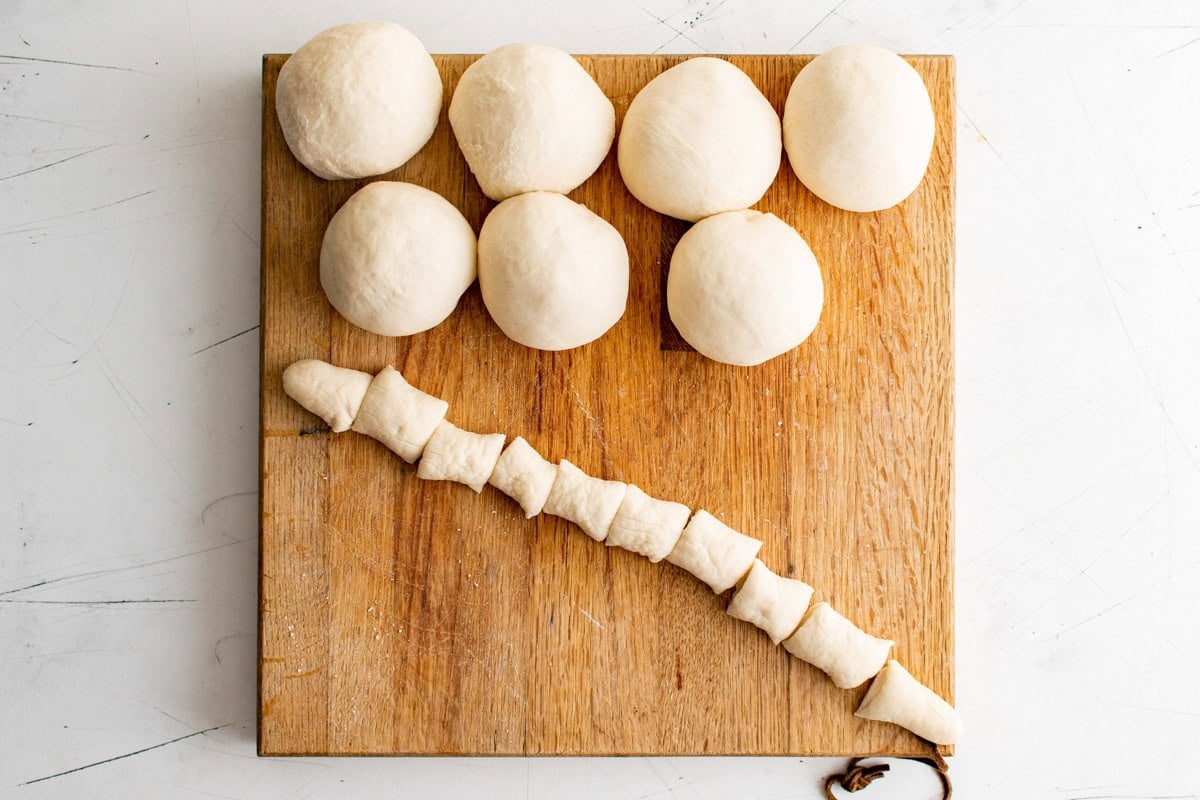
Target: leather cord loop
(854, 778)
(858, 777)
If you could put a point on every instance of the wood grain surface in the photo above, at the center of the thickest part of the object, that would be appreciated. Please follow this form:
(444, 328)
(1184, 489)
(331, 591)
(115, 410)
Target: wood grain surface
(403, 616)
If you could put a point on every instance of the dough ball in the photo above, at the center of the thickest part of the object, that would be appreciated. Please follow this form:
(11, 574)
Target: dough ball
(858, 128)
(744, 287)
(553, 274)
(529, 118)
(358, 99)
(699, 139)
(396, 258)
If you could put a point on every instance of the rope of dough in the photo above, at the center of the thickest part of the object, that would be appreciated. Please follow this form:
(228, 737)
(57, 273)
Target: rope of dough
(412, 423)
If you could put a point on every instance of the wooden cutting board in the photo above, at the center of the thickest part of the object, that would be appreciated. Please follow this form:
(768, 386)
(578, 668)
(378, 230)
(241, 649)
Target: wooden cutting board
(403, 616)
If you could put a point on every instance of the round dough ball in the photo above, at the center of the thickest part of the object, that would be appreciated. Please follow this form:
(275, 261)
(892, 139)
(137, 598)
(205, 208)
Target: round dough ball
(744, 287)
(699, 139)
(396, 258)
(553, 275)
(529, 118)
(858, 128)
(358, 99)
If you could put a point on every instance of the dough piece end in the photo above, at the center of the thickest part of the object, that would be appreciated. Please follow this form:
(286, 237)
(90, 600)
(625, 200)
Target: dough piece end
(771, 602)
(522, 474)
(453, 454)
(646, 525)
(835, 645)
(400, 416)
(714, 552)
(332, 393)
(591, 503)
(896, 696)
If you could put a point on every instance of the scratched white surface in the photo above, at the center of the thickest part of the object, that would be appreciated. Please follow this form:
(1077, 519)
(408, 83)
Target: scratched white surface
(129, 224)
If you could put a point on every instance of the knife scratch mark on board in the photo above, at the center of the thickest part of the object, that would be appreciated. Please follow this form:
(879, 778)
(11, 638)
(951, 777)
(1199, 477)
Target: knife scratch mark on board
(591, 619)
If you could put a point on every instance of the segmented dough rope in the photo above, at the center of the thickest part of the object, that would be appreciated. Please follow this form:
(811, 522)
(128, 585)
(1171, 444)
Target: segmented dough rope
(413, 425)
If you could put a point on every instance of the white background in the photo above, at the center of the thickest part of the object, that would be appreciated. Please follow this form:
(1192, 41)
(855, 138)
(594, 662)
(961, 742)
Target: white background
(129, 257)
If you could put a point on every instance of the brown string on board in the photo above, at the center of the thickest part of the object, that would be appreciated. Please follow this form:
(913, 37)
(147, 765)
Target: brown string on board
(858, 777)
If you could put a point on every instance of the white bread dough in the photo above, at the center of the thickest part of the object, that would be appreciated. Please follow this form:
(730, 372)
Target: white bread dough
(332, 393)
(699, 139)
(522, 474)
(396, 258)
(453, 454)
(835, 645)
(772, 602)
(744, 287)
(858, 127)
(399, 415)
(896, 696)
(553, 275)
(358, 100)
(591, 503)
(646, 525)
(714, 552)
(529, 118)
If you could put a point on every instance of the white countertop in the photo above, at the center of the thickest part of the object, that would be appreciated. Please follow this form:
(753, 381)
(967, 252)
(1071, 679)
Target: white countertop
(129, 257)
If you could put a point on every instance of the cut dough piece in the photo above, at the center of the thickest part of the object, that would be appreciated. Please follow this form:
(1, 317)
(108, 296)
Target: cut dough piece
(396, 258)
(399, 415)
(529, 118)
(699, 139)
(858, 127)
(834, 644)
(744, 287)
(522, 474)
(332, 393)
(358, 99)
(553, 275)
(896, 696)
(772, 602)
(591, 503)
(646, 525)
(453, 454)
(714, 552)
